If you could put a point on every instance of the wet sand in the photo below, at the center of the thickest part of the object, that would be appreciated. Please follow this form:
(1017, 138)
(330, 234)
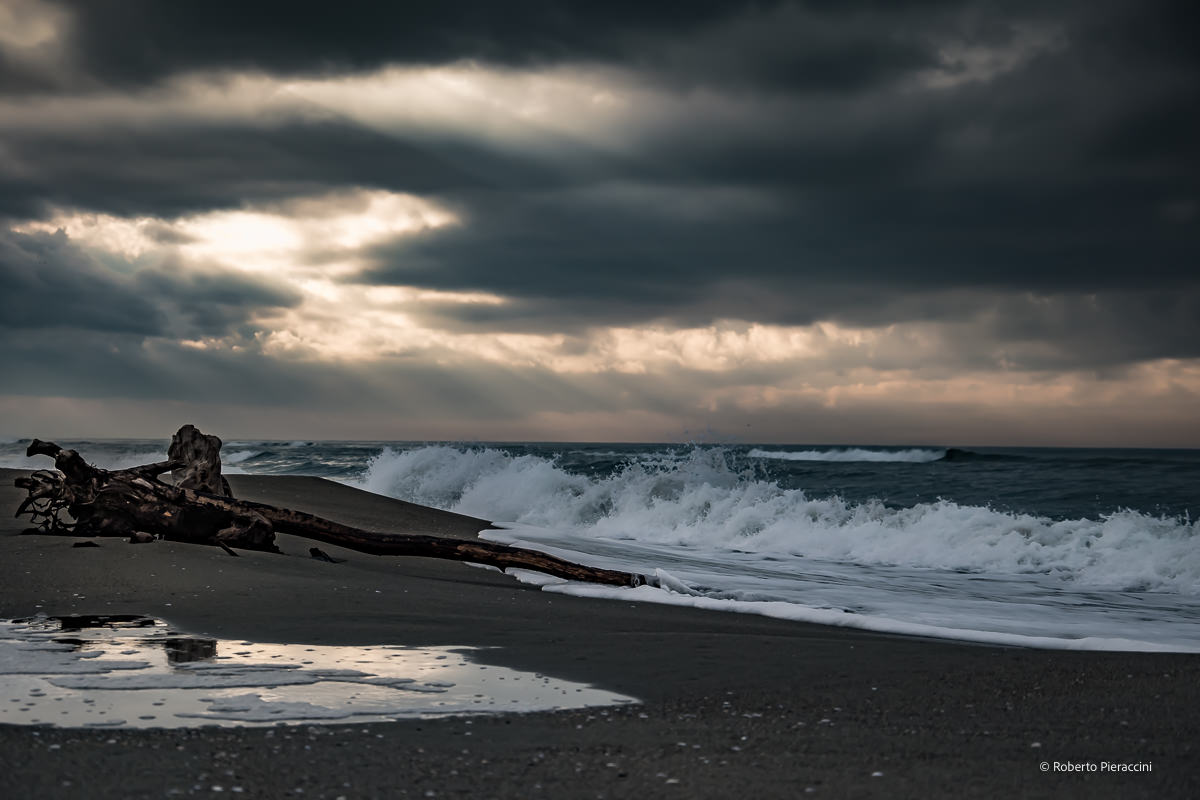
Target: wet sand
(733, 705)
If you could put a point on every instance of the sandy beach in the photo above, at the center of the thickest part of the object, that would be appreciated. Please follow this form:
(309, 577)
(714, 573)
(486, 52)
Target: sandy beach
(731, 704)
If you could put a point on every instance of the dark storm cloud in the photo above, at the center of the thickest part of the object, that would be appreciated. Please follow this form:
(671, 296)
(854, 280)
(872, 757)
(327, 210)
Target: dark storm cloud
(814, 45)
(48, 282)
(1053, 161)
(135, 42)
(572, 256)
(211, 303)
(1096, 331)
(175, 169)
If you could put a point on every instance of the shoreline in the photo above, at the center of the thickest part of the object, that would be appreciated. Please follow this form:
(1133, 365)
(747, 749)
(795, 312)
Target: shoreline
(818, 707)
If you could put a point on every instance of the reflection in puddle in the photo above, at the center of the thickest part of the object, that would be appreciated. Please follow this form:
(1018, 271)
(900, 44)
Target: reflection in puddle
(186, 649)
(135, 672)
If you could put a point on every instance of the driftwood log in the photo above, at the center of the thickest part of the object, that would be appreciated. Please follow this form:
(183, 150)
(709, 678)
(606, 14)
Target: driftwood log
(79, 499)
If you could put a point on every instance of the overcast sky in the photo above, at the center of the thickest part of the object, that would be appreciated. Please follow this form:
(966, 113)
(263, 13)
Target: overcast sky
(841, 222)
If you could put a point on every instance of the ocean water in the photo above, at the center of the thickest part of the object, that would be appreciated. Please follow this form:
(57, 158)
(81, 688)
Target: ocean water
(1063, 548)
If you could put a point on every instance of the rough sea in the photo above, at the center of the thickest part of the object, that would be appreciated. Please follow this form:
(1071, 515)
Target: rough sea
(1062, 548)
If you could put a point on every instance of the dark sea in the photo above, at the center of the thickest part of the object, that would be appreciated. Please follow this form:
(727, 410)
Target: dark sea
(1041, 547)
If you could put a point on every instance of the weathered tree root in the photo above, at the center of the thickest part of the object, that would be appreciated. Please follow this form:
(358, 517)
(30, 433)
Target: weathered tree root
(48, 500)
(138, 504)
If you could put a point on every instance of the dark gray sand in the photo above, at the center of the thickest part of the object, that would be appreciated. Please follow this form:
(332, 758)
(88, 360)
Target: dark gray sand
(733, 705)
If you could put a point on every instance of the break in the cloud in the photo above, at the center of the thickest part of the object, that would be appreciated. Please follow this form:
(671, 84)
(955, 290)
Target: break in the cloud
(813, 221)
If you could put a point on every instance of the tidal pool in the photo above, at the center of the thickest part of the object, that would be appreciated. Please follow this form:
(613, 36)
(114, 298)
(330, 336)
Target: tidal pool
(124, 671)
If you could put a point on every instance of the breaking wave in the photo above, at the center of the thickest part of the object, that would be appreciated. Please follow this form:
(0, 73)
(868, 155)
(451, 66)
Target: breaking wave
(703, 501)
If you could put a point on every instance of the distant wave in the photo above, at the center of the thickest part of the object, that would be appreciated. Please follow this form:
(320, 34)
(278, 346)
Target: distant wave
(957, 454)
(238, 456)
(269, 443)
(912, 455)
